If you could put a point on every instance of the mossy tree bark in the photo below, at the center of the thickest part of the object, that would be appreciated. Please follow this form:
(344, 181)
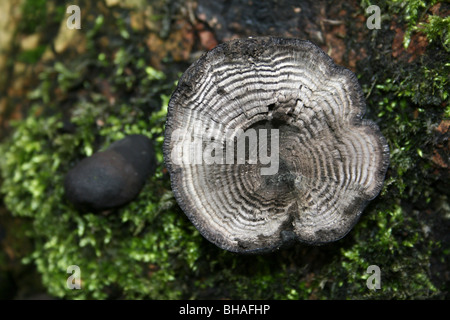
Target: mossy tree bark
(76, 92)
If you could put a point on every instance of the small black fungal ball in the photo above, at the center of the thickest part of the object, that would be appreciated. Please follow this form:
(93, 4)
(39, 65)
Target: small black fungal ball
(111, 178)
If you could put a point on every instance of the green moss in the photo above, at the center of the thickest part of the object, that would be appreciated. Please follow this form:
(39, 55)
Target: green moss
(408, 125)
(395, 240)
(37, 14)
(437, 29)
(412, 13)
(134, 252)
(148, 236)
(409, 100)
(32, 56)
(34, 13)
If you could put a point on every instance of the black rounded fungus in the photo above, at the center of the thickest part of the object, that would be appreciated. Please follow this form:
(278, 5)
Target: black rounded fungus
(113, 177)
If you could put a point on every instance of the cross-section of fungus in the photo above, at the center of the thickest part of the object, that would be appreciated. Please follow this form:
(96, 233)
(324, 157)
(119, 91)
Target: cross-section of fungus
(265, 144)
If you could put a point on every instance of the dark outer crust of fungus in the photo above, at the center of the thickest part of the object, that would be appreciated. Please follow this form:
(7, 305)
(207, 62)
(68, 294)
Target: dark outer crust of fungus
(332, 161)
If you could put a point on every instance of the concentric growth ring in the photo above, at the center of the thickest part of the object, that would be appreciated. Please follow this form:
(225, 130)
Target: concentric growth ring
(265, 143)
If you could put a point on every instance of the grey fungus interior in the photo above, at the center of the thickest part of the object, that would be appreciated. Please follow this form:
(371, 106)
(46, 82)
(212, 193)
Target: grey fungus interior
(325, 166)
